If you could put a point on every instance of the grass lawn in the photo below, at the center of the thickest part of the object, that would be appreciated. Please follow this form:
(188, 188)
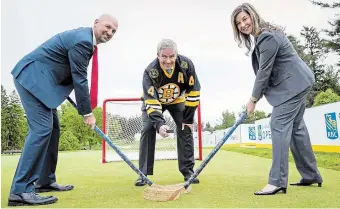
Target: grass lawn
(324, 159)
(229, 180)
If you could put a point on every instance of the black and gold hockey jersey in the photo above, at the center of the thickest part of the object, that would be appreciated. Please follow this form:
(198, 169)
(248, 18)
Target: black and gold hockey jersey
(168, 88)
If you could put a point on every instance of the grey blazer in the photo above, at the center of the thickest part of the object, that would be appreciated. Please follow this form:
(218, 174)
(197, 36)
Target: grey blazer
(280, 72)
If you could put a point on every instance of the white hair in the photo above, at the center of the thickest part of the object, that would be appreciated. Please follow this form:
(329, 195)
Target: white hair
(166, 44)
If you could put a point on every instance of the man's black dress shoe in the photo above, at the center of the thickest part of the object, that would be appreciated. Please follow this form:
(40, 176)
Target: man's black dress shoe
(301, 183)
(54, 187)
(284, 190)
(140, 182)
(195, 181)
(29, 199)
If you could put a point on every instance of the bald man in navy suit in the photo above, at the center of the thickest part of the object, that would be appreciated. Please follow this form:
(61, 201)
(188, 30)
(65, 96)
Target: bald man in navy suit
(43, 78)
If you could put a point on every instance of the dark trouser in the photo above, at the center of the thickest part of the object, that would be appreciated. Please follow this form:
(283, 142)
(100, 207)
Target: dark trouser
(38, 161)
(185, 142)
(289, 129)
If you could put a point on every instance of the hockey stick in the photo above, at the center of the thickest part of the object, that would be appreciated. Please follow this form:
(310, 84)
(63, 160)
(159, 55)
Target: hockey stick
(149, 193)
(214, 151)
(120, 153)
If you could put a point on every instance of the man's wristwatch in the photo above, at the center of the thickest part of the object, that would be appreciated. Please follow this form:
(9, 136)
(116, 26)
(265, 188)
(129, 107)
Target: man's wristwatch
(253, 100)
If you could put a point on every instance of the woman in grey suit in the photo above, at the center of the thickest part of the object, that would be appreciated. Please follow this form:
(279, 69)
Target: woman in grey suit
(284, 79)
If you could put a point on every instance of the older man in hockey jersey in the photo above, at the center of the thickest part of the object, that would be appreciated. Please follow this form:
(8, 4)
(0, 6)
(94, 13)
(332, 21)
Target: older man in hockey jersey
(169, 83)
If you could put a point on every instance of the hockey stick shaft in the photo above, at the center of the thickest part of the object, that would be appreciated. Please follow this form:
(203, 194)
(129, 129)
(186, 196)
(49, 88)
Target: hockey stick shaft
(214, 151)
(120, 153)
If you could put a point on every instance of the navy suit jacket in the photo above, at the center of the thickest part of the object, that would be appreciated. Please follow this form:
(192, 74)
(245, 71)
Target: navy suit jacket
(58, 66)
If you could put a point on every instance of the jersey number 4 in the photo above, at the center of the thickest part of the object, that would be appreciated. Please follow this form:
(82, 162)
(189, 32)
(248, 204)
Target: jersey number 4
(151, 91)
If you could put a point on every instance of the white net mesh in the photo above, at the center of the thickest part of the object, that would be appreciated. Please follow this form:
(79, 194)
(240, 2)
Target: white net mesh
(123, 125)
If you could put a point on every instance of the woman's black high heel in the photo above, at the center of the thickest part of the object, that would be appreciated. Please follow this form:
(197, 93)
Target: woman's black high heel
(284, 190)
(305, 184)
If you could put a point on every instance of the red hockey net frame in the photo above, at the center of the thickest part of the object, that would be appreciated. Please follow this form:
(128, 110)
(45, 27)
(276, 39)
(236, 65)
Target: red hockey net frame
(104, 154)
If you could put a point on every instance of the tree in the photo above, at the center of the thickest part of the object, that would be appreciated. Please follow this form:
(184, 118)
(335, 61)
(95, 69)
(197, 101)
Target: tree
(257, 115)
(315, 52)
(331, 79)
(326, 97)
(333, 43)
(93, 138)
(299, 48)
(68, 142)
(71, 121)
(17, 128)
(227, 120)
(208, 127)
(252, 117)
(326, 5)
(4, 118)
(203, 125)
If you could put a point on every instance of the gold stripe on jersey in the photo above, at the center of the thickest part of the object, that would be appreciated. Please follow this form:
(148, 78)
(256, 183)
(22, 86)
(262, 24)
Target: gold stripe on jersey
(152, 105)
(177, 100)
(152, 102)
(192, 99)
(191, 104)
(150, 111)
(193, 93)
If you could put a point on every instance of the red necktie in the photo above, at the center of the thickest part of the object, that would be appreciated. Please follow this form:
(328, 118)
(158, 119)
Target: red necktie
(94, 79)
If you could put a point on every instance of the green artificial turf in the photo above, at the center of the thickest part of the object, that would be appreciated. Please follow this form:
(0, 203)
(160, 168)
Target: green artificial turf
(229, 180)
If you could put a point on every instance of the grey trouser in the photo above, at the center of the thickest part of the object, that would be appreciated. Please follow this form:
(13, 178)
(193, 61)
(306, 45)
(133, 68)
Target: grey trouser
(289, 129)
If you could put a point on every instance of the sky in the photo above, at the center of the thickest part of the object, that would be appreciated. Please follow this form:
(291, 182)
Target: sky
(201, 29)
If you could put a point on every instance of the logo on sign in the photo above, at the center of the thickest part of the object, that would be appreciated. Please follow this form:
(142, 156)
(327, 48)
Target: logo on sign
(252, 133)
(331, 126)
(259, 132)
